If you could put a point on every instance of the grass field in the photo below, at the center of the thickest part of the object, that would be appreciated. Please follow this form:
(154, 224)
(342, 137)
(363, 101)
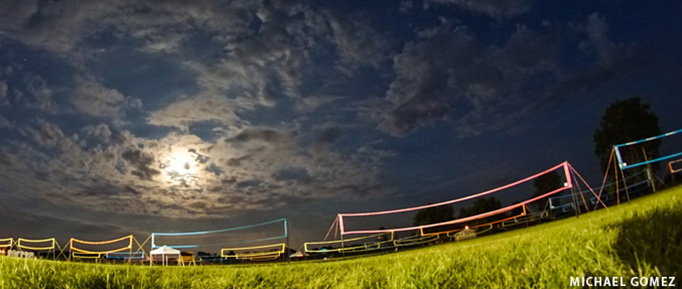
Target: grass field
(641, 238)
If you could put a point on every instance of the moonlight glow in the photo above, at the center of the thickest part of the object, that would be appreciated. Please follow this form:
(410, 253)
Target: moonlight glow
(181, 167)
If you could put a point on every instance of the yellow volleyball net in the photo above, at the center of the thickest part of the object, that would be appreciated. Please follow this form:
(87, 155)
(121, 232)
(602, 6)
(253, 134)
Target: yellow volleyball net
(5, 245)
(415, 240)
(83, 249)
(48, 245)
(255, 253)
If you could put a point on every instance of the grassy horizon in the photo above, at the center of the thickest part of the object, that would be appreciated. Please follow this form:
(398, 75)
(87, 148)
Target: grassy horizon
(642, 238)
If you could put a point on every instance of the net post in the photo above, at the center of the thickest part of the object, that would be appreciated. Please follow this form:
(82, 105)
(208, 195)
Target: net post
(130, 250)
(569, 182)
(286, 251)
(625, 184)
(575, 203)
(619, 158)
(341, 232)
(615, 175)
(648, 171)
(651, 181)
(343, 251)
(70, 248)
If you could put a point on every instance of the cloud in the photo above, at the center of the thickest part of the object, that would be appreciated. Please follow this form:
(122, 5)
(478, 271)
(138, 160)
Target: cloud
(17, 13)
(312, 103)
(596, 29)
(39, 95)
(63, 25)
(357, 43)
(3, 93)
(100, 131)
(491, 8)
(95, 99)
(449, 76)
(60, 226)
(203, 107)
(5, 123)
(418, 95)
(257, 168)
(44, 133)
(142, 164)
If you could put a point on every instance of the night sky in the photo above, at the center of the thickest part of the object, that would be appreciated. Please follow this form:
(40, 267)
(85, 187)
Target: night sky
(122, 117)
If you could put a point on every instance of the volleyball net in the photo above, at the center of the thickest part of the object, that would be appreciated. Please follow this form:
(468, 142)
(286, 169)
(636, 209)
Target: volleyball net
(137, 255)
(83, 249)
(675, 166)
(652, 150)
(255, 253)
(6, 243)
(352, 245)
(48, 244)
(250, 238)
(613, 192)
(513, 200)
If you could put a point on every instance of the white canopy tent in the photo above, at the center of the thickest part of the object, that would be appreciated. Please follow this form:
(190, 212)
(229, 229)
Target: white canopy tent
(165, 252)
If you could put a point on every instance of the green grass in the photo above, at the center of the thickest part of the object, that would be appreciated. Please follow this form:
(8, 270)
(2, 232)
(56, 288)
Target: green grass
(641, 238)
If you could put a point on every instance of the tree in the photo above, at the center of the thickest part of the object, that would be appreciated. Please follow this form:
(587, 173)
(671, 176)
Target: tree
(545, 184)
(624, 121)
(480, 206)
(433, 215)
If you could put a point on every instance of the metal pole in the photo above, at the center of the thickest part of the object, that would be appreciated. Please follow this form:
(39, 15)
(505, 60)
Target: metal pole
(286, 252)
(575, 203)
(648, 171)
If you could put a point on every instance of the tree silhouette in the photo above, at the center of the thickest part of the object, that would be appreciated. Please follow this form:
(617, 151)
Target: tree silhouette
(545, 184)
(480, 206)
(624, 121)
(433, 215)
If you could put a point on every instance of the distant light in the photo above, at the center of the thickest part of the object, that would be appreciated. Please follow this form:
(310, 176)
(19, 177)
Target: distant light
(625, 164)
(466, 227)
(566, 184)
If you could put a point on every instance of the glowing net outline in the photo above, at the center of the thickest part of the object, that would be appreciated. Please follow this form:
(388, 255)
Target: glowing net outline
(254, 256)
(623, 166)
(673, 170)
(453, 234)
(284, 220)
(413, 241)
(83, 253)
(594, 200)
(522, 214)
(125, 255)
(355, 248)
(568, 185)
(9, 245)
(52, 247)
